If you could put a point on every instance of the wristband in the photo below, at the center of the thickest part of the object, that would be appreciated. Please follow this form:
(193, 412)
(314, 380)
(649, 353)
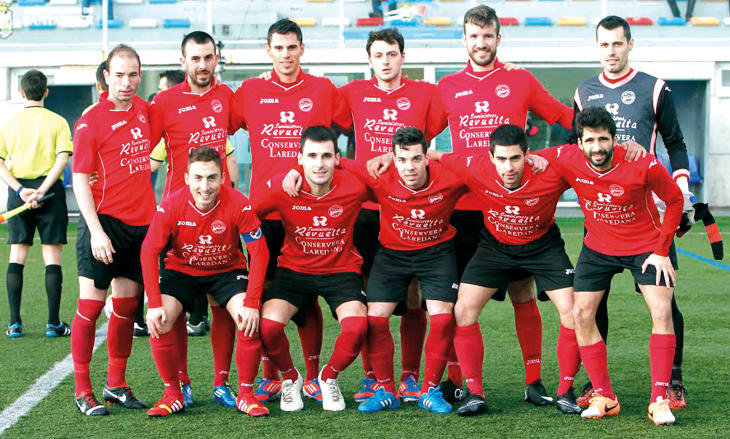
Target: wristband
(20, 188)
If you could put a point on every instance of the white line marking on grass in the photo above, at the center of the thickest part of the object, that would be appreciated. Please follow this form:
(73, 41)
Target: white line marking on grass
(43, 386)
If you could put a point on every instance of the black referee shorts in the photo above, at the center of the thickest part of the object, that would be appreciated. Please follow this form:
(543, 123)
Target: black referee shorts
(188, 289)
(127, 242)
(365, 237)
(594, 270)
(434, 267)
(51, 218)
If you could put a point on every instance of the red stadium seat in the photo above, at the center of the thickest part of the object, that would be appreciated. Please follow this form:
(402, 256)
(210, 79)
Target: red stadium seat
(509, 21)
(640, 21)
(370, 21)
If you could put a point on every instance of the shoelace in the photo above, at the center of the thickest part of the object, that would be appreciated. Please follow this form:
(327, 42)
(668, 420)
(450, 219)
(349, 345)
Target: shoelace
(91, 400)
(287, 395)
(334, 391)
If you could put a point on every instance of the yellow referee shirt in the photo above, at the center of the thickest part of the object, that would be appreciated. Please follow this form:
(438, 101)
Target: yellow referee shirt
(159, 153)
(30, 141)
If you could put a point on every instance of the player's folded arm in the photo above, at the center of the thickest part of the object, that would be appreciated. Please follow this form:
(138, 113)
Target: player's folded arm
(258, 253)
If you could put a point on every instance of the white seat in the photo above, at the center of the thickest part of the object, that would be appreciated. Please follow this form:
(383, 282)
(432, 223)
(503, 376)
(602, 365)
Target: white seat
(143, 22)
(335, 21)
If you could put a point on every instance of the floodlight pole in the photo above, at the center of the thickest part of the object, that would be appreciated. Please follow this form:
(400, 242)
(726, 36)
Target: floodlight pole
(209, 16)
(105, 26)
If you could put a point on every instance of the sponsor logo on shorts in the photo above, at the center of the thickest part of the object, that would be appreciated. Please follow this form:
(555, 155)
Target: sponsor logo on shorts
(454, 286)
(218, 227)
(336, 210)
(628, 97)
(185, 223)
(502, 90)
(363, 293)
(616, 190)
(306, 105)
(216, 105)
(569, 271)
(403, 103)
(241, 277)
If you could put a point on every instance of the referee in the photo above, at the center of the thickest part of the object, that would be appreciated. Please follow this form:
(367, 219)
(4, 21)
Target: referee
(34, 149)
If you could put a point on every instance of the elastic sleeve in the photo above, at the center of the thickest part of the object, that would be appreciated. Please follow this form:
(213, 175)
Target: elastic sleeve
(85, 147)
(662, 184)
(668, 126)
(258, 253)
(158, 235)
(547, 107)
(63, 138)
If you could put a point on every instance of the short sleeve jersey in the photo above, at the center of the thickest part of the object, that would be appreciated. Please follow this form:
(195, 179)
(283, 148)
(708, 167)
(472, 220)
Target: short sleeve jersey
(318, 229)
(512, 216)
(479, 102)
(620, 215)
(186, 120)
(275, 115)
(31, 140)
(116, 145)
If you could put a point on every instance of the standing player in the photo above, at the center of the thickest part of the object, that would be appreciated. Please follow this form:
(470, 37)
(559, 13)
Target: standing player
(478, 99)
(623, 232)
(379, 107)
(112, 139)
(36, 144)
(193, 113)
(275, 112)
(318, 258)
(203, 223)
(640, 105)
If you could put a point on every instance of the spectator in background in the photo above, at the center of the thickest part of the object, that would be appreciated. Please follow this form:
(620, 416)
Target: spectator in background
(378, 7)
(86, 5)
(34, 149)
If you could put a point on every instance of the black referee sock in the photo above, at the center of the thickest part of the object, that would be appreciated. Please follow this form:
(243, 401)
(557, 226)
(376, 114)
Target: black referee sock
(678, 320)
(54, 282)
(14, 281)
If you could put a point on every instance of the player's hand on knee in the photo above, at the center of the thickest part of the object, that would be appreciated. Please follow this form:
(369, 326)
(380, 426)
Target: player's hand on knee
(377, 165)
(537, 163)
(101, 248)
(292, 183)
(156, 319)
(664, 268)
(247, 320)
(634, 151)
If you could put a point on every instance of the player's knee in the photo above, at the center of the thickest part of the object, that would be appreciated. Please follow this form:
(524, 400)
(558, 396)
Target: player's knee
(464, 314)
(583, 315)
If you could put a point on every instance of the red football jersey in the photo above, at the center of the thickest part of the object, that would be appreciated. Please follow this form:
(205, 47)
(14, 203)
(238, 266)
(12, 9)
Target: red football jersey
(479, 102)
(318, 228)
(413, 219)
(620, 214)
(512, 216)
(275, 114)
(202, 243)
(187, 120)
(378, 113)
(116, 144)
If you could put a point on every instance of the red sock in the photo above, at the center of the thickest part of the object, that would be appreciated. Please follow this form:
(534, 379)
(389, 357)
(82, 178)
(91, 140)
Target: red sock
(181, 333)
(366, 366)
(438, 344)
(453, 367)
(276, 346)
(311, 337)
(412, 333)
(120, 333)
(528, 324)
(165, 354)
(222, 336)
(353, 333)
(381, 350)
(270, 372)
(83, 328)
(469, 348)
(248, 352)
(568, 359)
(661, 356)
(595, 361)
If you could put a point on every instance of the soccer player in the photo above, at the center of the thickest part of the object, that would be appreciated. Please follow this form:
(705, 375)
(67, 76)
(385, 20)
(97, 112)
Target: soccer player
(275, 111)
(520, 238)
(640, 105)
(379, 107)
(34, 148)
(203, 222)
(193, 113)
(623, 232)
(318, 258)
(112, 139)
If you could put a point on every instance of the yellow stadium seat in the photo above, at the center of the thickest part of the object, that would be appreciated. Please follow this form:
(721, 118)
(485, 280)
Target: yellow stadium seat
(437, 21)
(305, 21)
(572, 21)
(705, 21)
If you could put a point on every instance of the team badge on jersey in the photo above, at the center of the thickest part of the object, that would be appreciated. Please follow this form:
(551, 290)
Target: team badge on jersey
(628, 97)
(306, 105)
(435, 198)
(502, 91)
(336, 211)
(403, 103)
(616, 190)
(141, 118)
(216, 105)
(531, 202)
(218, 227)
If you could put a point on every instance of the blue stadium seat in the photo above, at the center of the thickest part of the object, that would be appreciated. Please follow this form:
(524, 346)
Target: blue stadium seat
(176, 22)
(114, 23)
(538, 21)
(695, 176)
(31, 2)
(422, 32)
(43, 25)
(154, 2)
(671, 21)
(67, 174)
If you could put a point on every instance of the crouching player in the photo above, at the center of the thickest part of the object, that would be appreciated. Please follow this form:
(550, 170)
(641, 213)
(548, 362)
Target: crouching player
(202, 222)
(318, 258)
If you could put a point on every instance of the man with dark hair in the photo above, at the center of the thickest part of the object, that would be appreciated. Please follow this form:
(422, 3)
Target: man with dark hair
(101, 85)
(113, 140)
(641, 106)
(275, 111)
(203, 222)
(318, 258)
(478, 99)
(623, 232)
(380, 106)
(190, 114)
(171, 78)
(35, 145)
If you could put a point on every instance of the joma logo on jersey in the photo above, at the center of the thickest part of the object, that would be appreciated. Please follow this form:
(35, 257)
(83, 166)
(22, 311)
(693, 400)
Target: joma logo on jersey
(583, 180)
(269, 101)
(596, 96)
(389, 114)
(136, 133)
(296, 207)
(119, 124)
(286, 117)
(481, 106)
(367, 99)
(463, 93)
(209, 122)
(187, 223)
(319, 221)
(186, 109)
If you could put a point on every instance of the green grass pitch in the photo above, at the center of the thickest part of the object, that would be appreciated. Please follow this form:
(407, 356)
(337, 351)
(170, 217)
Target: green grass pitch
(702, 295)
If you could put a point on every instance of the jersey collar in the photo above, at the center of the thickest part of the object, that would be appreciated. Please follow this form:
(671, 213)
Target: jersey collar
(618, 82)
(106, 104)
(403, 82)
(287, 85)
(185, 87)
(469, 70)
(307, 190)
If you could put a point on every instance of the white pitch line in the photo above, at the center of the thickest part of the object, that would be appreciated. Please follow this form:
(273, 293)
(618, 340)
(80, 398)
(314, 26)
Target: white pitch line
(43, 386)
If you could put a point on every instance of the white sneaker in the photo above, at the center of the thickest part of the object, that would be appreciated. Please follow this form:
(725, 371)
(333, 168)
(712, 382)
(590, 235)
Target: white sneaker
(660, 413)
(291, 395)
(332, 399)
